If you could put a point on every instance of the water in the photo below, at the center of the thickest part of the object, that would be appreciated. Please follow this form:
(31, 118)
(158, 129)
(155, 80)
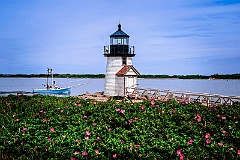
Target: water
(26, 85)
(81, 86)
(222, 87)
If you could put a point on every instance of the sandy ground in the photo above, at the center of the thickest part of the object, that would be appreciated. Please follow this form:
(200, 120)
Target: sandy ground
(98, 96)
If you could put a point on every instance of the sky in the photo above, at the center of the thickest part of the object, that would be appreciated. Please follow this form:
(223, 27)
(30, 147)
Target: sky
(175, 37)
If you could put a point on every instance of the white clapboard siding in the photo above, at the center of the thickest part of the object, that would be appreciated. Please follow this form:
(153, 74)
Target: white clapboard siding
(113, 86)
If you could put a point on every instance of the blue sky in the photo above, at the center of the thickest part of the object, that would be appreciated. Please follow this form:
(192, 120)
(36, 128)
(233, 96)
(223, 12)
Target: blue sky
(170, 37)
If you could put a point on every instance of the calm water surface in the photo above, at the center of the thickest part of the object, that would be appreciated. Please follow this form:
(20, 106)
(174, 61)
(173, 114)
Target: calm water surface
(223, 87)
(80, 86)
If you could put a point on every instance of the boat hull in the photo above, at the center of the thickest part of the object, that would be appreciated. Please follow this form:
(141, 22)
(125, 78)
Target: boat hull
(53, 91)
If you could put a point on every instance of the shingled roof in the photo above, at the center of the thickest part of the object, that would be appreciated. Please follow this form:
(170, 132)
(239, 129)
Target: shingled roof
(119, 33)
(123, 71)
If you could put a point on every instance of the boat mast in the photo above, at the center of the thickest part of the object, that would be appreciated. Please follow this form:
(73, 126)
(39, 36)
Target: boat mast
(52, 78)
(49, 70)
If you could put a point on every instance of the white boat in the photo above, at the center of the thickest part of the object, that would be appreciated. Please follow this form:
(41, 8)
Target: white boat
(52, 88)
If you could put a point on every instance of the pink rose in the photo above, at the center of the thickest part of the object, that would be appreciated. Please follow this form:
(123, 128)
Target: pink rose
(208, 141)
(179, 152)
(88, 133)
(207, 135)
(75, 153)
(211, 106)
(190, 141)
(199, 118)
(122, 111)
(131, 147)
(220, 144)
(224, 118)
(137, 145)
(181, 156)
(114, 155)
(84, 154)
(97, 151)
(152, 102)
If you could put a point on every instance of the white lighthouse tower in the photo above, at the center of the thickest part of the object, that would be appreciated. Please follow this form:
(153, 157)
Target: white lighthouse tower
(121, 76)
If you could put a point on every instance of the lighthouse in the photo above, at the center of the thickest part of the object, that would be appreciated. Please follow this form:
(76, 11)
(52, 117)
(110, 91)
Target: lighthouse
(121, 76)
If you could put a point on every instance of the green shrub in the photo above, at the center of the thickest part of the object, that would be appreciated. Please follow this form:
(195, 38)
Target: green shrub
(46, 127)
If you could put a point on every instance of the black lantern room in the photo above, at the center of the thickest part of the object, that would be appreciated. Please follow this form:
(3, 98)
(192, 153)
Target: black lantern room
(119, 45)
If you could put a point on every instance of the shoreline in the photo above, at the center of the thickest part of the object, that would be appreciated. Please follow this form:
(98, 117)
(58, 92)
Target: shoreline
(216, 79)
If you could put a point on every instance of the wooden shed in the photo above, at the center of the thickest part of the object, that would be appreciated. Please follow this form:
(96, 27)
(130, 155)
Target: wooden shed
(126, 80)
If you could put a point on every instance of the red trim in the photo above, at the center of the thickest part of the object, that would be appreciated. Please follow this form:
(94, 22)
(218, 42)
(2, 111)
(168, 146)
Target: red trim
(125, 69)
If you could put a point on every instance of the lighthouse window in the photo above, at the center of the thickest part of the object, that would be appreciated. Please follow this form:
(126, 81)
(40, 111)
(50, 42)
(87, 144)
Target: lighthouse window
(113, 41)
(124, 61)
(125, 41)
(119, 41)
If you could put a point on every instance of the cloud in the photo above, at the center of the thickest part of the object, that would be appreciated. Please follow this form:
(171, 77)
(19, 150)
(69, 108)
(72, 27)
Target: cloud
(36, 34)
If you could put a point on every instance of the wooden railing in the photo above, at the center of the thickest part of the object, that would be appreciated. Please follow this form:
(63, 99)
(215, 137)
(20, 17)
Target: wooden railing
(204, 98)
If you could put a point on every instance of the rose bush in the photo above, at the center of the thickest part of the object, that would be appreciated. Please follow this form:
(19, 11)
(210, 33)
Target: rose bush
(45, 127)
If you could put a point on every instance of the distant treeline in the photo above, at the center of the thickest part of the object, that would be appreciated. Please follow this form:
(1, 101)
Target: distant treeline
(215, 76)
(54, 75)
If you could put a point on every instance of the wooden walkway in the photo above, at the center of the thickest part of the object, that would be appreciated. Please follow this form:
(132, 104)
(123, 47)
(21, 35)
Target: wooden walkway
(180, 96)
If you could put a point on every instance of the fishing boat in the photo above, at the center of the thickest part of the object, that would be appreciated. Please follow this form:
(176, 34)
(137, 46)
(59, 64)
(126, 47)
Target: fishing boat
(52, 88)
